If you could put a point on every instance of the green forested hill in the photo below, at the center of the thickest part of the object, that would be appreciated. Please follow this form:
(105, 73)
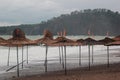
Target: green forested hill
(98, 21)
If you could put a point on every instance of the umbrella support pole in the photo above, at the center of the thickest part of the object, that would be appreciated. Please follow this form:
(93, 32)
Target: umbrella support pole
(22, 55)
(92, 55)
(46, 58)
(17, 63)
(79, 55)
(65, 60)
(59, 55)
(27, 54)
(108, 57)
(62, 57)
(89, 57)
(8, 57)
(14, 66)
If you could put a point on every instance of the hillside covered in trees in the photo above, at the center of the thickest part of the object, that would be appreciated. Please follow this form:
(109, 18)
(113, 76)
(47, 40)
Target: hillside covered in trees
(98, 21)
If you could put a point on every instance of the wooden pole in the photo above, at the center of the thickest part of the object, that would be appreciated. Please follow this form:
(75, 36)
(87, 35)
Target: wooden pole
(46, 58)
(92, 54)
(59, 54)
(22, 55)
(89, 56)
(62, 57)
(27, 54)
(65, 60)
(14, 66)
(108, 57)
(17, 63)
(8, 56)
(79, 55)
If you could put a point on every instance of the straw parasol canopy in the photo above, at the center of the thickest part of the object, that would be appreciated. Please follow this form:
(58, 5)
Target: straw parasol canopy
(3, 41)
(47, 38)
(48, 34)
(80, 40)
(116, 43)
(19, 39)
(117, 38)
(106, 40)
(89, 41)
(63, 41)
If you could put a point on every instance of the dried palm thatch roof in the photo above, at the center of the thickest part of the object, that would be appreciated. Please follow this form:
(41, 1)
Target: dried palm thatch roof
(47, 39)
(117, 38)
(48, 34)
(80, 40)
(19, 39)
(116, 43)
(89, 41)
(106, 40)
(3, 41)
(63, 41)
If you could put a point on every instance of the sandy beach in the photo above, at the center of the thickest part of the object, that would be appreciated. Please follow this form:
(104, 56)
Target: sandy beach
(101, 72)
(35, 70)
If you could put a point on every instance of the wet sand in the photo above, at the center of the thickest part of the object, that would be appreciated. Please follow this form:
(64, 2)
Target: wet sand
(101, 72)
(36, 71)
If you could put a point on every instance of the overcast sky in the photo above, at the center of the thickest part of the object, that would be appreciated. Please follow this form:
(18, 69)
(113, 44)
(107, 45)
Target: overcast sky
(14, 12)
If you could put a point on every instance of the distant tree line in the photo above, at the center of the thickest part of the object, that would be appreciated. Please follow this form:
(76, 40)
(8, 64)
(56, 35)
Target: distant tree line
(98, 21)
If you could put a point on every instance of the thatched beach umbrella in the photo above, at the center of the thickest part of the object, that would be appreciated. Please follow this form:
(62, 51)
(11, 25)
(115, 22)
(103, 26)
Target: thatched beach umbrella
(3, 41)
(106, 40)
(18, 40)
(116, 43)
(80, 42)
(46, 40)
(90, 41)
(63, 42)
(117, 38)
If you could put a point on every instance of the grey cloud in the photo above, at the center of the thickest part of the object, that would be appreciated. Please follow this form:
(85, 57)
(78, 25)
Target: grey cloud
(34, 11)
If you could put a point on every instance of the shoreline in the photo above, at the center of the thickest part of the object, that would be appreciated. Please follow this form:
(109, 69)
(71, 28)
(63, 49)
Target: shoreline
(55, 68)
(98, 72)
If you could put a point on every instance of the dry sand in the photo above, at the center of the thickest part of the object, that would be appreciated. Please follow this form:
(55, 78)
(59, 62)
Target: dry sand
(95, 73)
